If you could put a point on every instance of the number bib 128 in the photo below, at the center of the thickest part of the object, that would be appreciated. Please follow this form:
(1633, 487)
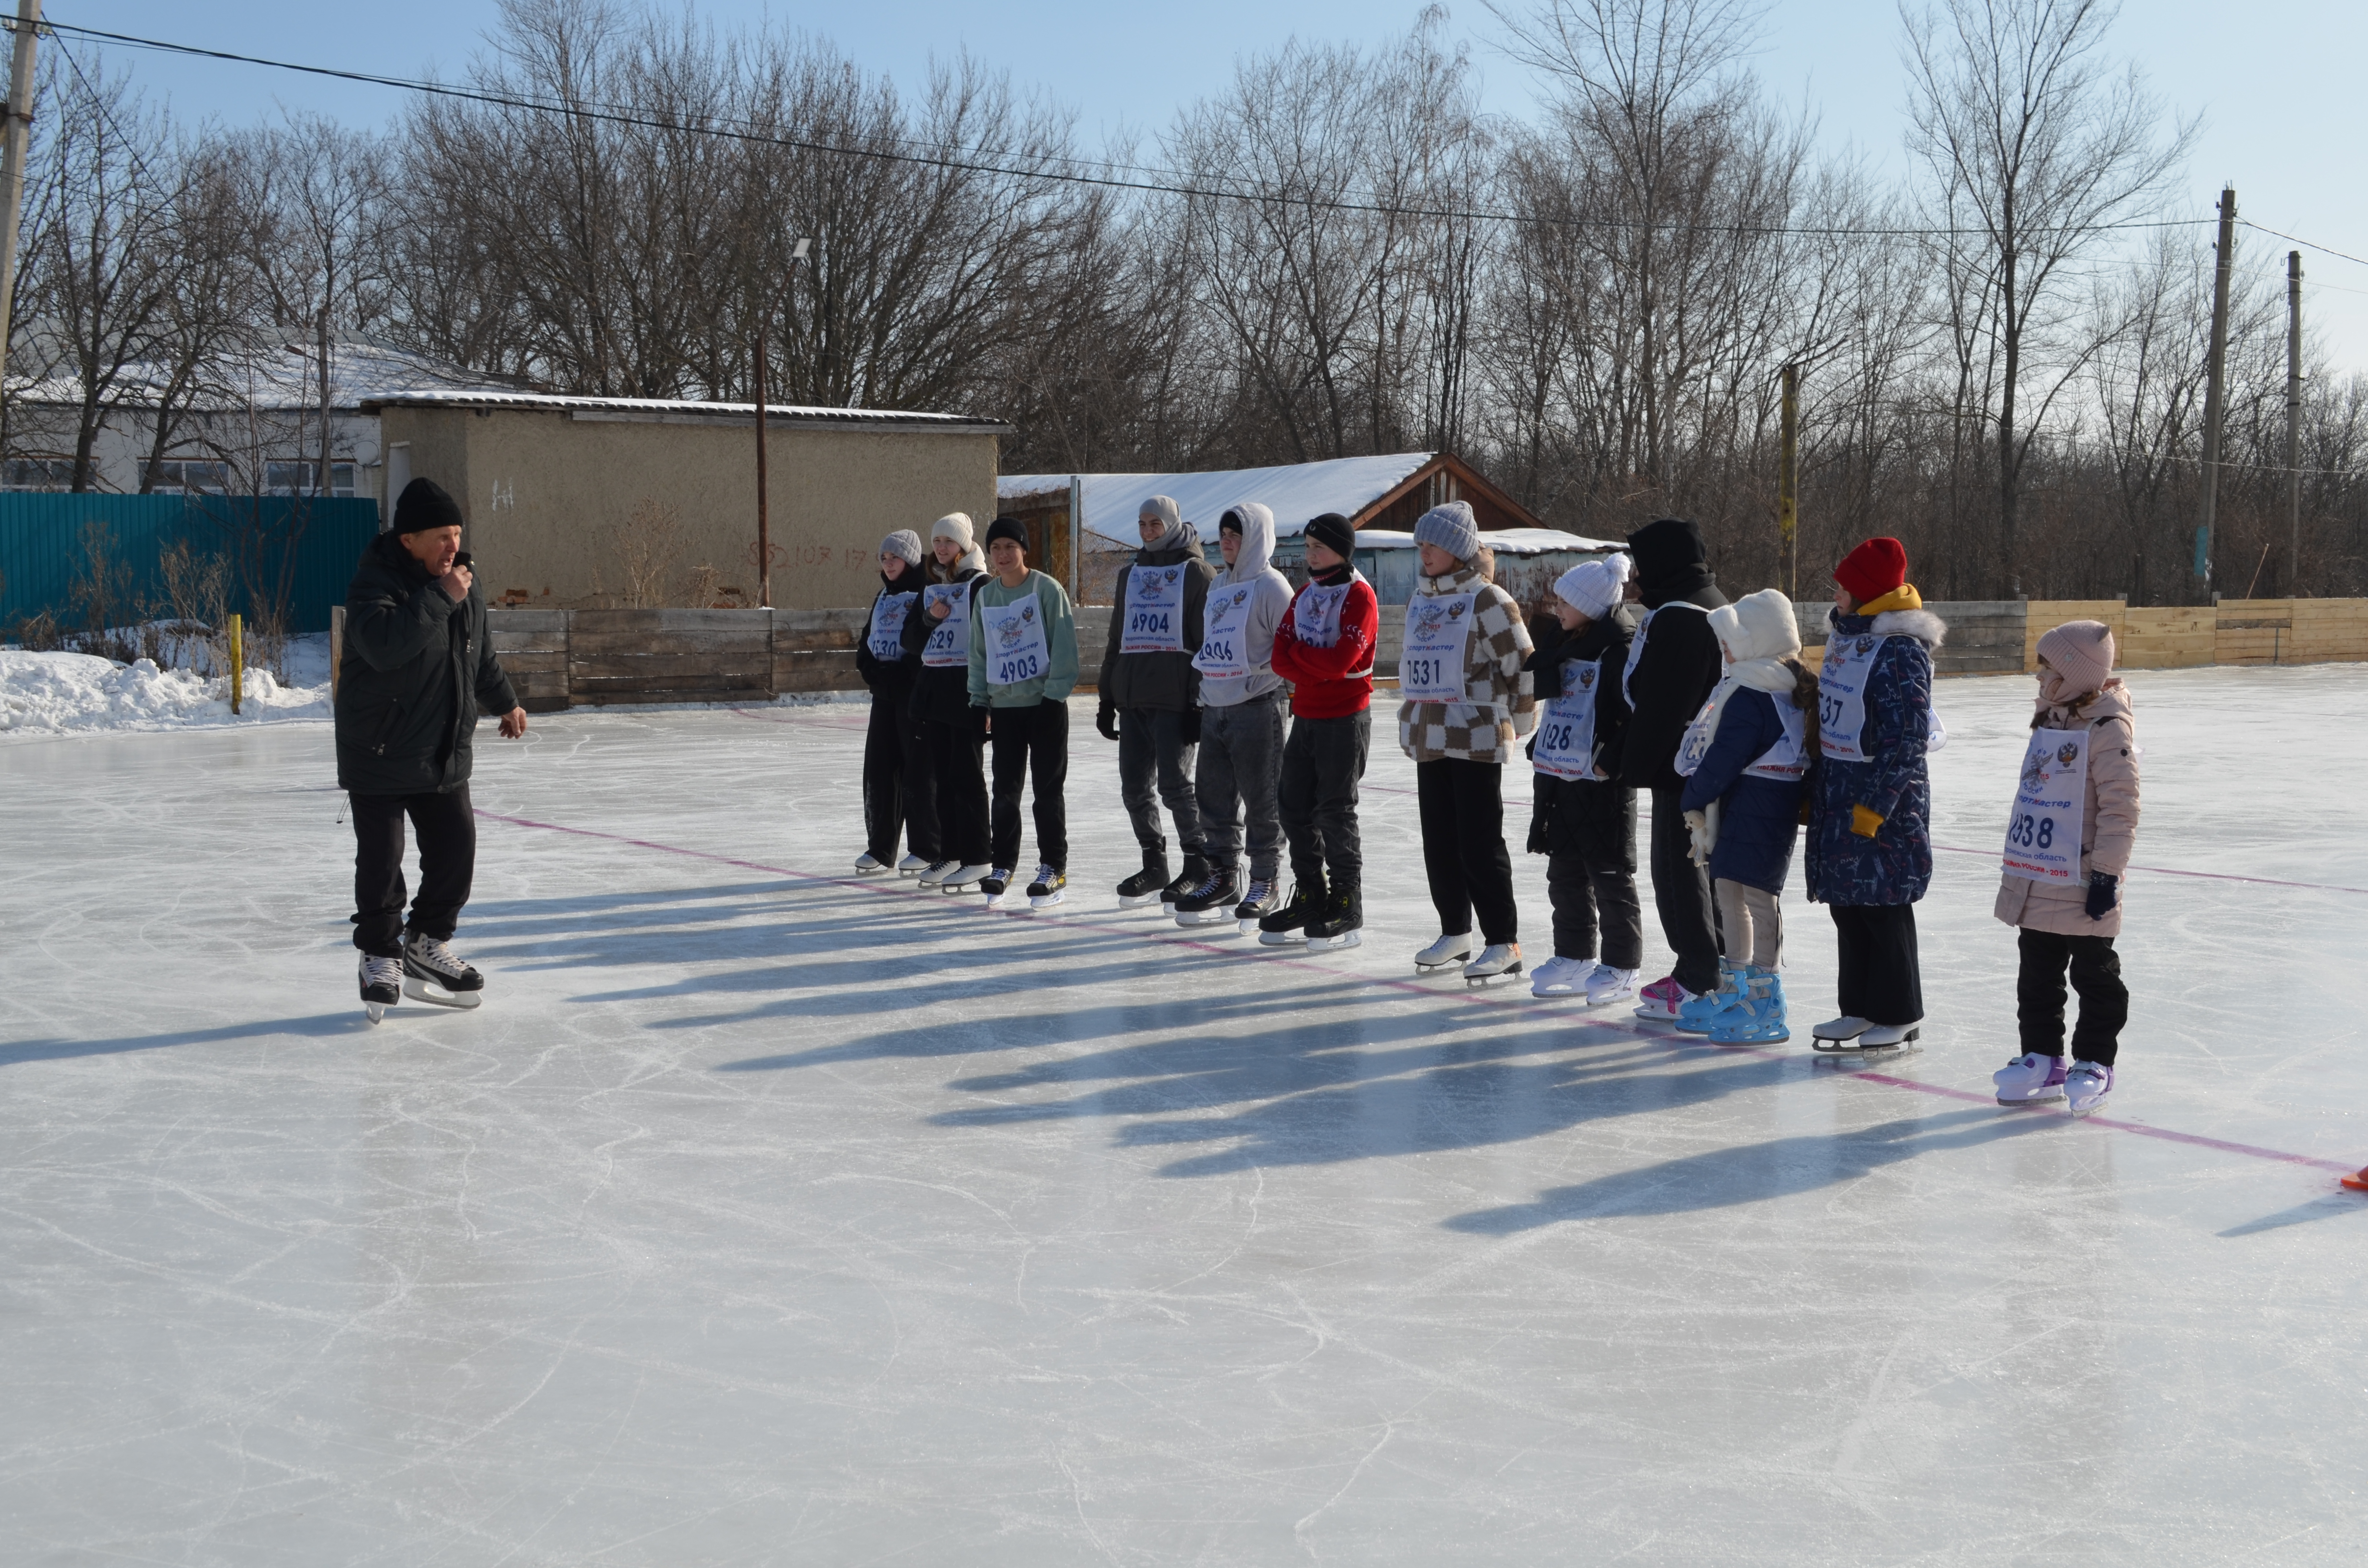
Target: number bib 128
(949, 643)
(1155, 611)
(1430, 666)
(1015, 641)
(1566, 734)
(2043, 836)
(886, 640)
(1224, 623)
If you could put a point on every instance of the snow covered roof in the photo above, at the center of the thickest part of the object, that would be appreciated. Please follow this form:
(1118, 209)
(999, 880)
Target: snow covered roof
(693, 409)
(1504, 542)
(1294, 492)
(284, 376)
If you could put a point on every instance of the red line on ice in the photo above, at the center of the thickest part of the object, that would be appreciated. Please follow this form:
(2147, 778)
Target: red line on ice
(2194, 1140)
(2170, 871)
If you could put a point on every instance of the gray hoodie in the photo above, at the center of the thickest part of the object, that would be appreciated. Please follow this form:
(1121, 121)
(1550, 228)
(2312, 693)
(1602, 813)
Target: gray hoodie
(1252, 596)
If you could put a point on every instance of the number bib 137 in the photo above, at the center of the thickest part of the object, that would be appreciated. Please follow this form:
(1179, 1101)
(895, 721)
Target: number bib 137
(1567, 734)
(2043, 836)
(949, 643)
(1015, 641)
(1430, 666)
(1155, 611)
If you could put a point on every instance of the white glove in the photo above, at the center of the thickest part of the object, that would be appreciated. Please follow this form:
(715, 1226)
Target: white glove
(1698, 825)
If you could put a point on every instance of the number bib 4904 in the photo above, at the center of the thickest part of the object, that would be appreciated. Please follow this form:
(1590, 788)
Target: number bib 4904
(2043, 836)
(1430, 666)
(1155, 610)
(949, 643)
(886, 639)
(1224, 631)
(1567, 734)
(1015, 641)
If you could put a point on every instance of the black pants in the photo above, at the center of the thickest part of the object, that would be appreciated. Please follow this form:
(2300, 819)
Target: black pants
(1879, 976)
(957, 777)
(448, 863)
(1681, 895)
(1581, 892)
(1031, 745)
(1462, 808)
(1152, 751)
(1322, 762)
(2096, 975)
(898, 783)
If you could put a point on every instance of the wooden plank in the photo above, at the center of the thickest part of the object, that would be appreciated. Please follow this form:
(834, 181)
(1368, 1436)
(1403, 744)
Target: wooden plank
(583, 689)
(754, 621)
(728, 645)
(506, 643)
(638, 665)
(515, 663)
(751, 696)
(818, 639)
(548, 623)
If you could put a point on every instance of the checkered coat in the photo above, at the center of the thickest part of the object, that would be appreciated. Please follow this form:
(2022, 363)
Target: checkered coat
(1501, 706)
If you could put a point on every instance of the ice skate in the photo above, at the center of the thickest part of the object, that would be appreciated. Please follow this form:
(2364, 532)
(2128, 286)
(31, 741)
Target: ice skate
(870, 865)
(2086, 1084)
(433, 972)
(1889, 1036)
(1262, 900)
(933, 876)
(1144, 886)
(961, 878)
(381, 984)
(1212, 900)
(1696, 1014)
(912, 865)
(1606, 985)
(2030, 1079)
(1291, 922)
(995, 884)
(1195, 872)
(1558, 976)
(1839, 1034)
(1453, 947)
(1758, 1016)
(1049, 888)
(1343, 925)
(1496, 959)
(1659, 1003)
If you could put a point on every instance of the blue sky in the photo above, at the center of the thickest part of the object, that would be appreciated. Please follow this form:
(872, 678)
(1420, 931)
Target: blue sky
(2277, 81)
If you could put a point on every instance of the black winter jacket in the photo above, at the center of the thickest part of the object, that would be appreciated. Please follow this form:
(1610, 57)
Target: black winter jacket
(941, 696)
(1594, 820)
(417, 669)
(1166, 681)
(890, 680)
(1682, 663)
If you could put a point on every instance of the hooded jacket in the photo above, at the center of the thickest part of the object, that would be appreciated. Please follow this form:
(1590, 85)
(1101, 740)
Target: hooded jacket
(1893, 865)
(2109, 818)
(1165, 680)
(419, 669)
(1250, 597)
(941, 696)
(1758, 818)
(1681, 664)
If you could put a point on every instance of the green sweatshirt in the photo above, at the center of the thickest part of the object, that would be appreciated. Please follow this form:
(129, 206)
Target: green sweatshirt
(1060, 677)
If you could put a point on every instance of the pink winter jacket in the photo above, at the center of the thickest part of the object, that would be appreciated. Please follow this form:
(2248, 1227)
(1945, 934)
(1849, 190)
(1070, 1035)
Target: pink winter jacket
(2109, 820)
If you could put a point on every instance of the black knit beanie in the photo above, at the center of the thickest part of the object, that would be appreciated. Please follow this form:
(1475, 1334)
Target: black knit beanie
(1335, 533)
(1011, 529)
(423, 505)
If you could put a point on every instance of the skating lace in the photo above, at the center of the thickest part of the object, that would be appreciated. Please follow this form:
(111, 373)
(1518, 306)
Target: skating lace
(382, 972)
(436, 956)
(1257, 893)
(1044, 875)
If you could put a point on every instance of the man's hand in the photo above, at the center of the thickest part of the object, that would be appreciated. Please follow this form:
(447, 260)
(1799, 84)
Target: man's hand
(455, 584)
(514, 723)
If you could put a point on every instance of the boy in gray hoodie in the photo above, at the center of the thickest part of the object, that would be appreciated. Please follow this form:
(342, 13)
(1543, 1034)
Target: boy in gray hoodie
(1243, 710)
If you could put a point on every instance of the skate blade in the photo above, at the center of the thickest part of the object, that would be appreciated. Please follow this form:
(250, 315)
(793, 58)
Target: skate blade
(1554, 992)
(1210, 917)
(1047, 903)
(874, 871)
(1250, 928)
(2033, 1103)
(1281, 939)
(377, 1011)
(1137, 902)
(419, 989)
(1484, 979)
(1334, 944)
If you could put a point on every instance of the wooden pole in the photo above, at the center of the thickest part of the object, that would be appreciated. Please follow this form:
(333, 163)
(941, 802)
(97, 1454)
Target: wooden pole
(1788, 500)
(237, 661)
(2294, 424)
(2215, 394)
(16, 121)
(764, 522)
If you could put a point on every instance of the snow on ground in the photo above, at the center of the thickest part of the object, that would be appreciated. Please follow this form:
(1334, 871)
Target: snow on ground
(764, 1216)
(49, 694)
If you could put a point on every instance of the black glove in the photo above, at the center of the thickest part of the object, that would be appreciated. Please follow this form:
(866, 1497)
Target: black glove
(1106, 721)
(2104, 892)
(1191, 728)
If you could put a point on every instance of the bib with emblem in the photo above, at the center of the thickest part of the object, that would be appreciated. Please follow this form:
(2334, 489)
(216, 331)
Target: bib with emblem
(1155, 610)
(1430, 666)
(885, 642)
(949, 643)
(1015, 640)
(2042, 833)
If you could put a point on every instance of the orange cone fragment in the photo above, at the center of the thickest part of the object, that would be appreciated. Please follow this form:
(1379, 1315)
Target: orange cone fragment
(2358, 1180)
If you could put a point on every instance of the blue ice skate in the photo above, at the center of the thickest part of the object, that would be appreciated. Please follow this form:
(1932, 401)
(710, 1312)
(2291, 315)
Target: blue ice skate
(1758, 1018)
(1696, 1013)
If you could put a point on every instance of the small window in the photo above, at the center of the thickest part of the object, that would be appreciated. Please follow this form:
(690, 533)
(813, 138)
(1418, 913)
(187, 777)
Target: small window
(37, 473)
(183, 478)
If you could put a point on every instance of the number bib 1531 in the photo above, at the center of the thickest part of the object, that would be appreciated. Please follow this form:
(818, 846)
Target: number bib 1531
(1155, 610)
(1015, 641)
(1567, 734)
(949, 643)
(886, 640)
(1430, 666)
(2043, 836)
(1224, 631)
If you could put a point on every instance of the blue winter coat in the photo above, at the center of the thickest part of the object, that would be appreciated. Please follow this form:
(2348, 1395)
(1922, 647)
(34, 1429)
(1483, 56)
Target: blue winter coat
(1758, 818)
(1896, 865)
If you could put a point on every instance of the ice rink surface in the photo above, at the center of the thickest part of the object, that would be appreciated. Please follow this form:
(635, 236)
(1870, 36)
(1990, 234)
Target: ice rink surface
(767, 1217)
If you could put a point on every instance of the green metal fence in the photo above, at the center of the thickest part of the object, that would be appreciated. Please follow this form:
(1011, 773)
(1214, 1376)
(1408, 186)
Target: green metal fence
(297, 550)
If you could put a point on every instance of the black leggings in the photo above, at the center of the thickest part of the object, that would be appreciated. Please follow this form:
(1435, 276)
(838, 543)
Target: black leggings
(958, 772)
(1879, 976)
(897, 782)
(1031, 745)
(2096, 975)
(447, 864)
(1462, 809)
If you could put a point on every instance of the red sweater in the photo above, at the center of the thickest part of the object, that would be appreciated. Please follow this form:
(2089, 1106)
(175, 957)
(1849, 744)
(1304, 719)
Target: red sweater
(1331, 683)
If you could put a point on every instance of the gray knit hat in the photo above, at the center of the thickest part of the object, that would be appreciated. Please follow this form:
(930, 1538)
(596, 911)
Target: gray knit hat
(904, 542)
(1452, 528)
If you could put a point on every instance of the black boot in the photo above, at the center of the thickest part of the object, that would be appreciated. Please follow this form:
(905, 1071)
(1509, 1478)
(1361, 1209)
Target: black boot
(1145, 885)
(1195, 872)
(1211, 900)
(1289, 922)
(1343, 925)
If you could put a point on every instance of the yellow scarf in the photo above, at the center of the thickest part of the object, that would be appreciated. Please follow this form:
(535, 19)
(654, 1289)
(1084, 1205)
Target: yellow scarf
(1904, 596)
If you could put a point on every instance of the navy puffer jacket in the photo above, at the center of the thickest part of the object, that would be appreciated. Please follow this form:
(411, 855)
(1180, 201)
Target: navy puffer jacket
(1759, 818)
(1896, 865)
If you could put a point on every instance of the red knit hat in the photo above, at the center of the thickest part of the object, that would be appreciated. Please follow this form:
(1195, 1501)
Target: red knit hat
(1873, 569)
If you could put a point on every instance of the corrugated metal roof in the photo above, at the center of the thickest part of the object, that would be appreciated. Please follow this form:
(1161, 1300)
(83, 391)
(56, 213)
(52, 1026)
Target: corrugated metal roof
(281, 377)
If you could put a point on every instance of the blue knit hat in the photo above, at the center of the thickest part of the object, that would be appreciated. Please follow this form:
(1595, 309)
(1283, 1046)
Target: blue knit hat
(1452, 528)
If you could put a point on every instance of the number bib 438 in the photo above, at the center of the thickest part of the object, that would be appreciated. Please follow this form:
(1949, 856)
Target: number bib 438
(949, 643)
(1430, 667)
(1567, 734)
(2043, 836)
(886, 640)
(1015, 641)
(1155, 611)
(1224, 625)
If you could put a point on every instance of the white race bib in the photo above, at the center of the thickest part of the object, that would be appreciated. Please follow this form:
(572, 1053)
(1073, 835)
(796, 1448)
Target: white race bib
(1848, 666)
(1636, 644)
(886, 640)
(1430, 667)
(2043, 836)
(1316, 617)
(949, 643)
(1224, 633)
(1783, 761)
(1567, 734)
(1155, 610)
(1015, 640)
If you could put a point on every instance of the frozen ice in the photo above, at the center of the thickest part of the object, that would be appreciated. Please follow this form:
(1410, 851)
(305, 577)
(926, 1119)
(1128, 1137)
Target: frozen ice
(766, 1216)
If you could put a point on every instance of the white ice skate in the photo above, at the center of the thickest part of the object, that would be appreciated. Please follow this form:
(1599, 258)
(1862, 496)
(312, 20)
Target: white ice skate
(870, 865)
(912, 865)
(381, 984)
(1839, 1034)
(1606, 985)
(962, 879)
(1454, 947)
(933, 876)
(1558, 976)
(1889, 1036)
(1496, 959)
(2030, 1079)
(2086, 1084)
(433, 973)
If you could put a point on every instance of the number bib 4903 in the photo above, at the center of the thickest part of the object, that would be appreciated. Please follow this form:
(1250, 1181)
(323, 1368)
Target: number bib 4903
(1224, 631)
(1015, 641)
(949, 643)
(1430, 666)
(1566, 734)
(2043, 836)
(886, 639)
(1155, 610)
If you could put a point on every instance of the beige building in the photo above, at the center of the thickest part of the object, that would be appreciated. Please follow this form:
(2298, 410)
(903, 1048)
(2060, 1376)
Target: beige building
(550, 488)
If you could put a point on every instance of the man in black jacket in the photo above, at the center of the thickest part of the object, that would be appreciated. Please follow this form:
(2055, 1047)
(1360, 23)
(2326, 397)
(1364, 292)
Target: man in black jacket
(418, 667)
(1151, 695)
(1673, 664)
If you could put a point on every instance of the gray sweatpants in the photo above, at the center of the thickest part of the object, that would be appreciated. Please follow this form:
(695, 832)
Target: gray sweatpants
(1153, 753)
(1241, 765)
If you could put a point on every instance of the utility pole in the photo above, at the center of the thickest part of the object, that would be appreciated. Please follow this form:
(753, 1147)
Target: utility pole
(764, 519)
(1788, 500)
(2293, 423)
(2215, 394)
(16, 121)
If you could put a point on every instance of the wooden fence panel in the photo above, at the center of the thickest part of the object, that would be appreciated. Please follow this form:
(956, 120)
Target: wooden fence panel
(533, 647)
(2166, 637)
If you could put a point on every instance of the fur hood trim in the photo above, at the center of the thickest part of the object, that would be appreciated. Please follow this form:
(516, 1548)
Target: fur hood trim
(1921, 624)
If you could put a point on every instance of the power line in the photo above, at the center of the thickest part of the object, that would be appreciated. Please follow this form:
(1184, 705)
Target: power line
(965, 163)
(2323, 250)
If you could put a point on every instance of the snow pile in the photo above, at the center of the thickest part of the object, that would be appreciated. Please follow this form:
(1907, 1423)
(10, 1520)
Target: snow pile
(57, 693)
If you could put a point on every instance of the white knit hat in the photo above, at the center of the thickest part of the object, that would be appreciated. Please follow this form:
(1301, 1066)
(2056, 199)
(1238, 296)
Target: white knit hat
(1592, 587)
(957, 527)
(1758, 626)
